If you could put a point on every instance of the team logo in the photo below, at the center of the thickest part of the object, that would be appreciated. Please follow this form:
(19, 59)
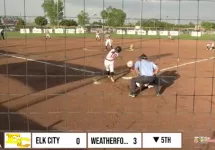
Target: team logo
(17, 140)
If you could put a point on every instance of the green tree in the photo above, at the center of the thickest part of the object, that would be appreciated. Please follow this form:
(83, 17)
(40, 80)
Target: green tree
(97, 23)
(191, 25)
(113, 16)
(20, 22)
(207, 25)
(53, 10)
(83, 18)
(41, 21)
(68, 22)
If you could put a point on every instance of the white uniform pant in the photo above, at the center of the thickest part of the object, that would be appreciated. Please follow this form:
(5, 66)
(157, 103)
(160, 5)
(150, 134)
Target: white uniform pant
(97, 36)
(48, 35)
(109, 66)
(108, 42)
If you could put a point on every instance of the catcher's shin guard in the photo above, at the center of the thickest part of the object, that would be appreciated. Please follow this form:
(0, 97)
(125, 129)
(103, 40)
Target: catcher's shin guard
(107, 73)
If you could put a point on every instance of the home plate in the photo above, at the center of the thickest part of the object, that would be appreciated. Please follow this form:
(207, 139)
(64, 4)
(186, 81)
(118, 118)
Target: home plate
(96, 82)
(127, 78)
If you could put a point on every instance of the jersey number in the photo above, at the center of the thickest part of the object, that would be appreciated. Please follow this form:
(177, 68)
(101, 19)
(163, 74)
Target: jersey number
(114, 55)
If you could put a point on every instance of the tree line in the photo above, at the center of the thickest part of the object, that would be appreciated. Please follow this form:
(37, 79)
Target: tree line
(113, 17)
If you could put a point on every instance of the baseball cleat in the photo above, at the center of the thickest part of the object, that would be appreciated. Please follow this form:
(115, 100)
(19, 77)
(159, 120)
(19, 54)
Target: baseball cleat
(146, 85)
(132, 95)
(150, 86)
(111, 78)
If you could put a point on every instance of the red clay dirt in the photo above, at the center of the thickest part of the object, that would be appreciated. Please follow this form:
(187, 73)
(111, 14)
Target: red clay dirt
(53, 98)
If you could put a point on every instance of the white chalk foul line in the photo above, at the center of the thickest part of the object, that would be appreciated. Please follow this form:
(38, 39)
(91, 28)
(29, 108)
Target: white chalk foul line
(43, 62)
(184, 64)
(86, 49)
(176, 66)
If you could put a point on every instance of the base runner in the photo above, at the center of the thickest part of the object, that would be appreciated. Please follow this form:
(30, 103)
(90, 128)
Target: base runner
(210, 45)
(98, 35)
(109, 62)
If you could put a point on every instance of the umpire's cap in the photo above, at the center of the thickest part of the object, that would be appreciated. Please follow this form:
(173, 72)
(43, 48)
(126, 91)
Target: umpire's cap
(143, 56)
(118, 49)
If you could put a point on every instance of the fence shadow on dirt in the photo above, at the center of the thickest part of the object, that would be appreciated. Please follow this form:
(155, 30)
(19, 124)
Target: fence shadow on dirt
(41, 76)
(168, 78)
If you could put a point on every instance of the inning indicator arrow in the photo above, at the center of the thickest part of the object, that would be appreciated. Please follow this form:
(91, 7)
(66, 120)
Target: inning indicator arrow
(156, 139)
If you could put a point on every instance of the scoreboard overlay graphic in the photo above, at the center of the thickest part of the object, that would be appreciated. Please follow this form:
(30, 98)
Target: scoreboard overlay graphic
(50, 140)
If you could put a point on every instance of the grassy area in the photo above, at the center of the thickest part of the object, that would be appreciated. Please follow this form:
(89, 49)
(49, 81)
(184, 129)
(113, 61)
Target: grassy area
(88, 35)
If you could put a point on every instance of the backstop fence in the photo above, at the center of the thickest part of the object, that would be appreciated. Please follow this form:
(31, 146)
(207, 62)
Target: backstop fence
(71, 53)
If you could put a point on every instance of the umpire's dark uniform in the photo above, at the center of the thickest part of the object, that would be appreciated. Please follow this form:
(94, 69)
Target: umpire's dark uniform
(2, 34)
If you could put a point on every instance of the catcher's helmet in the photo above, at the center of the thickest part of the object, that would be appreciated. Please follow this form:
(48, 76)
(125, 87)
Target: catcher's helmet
(143, 56)
(118, 49)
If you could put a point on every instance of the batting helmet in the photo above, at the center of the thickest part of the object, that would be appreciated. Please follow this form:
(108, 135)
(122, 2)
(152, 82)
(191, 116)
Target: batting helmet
(118, 49)
(143, 56)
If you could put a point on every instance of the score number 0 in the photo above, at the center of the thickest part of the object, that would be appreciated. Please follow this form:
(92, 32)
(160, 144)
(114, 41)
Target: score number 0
(77, 141)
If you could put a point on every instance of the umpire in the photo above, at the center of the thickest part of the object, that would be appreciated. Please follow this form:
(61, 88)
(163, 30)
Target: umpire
(2, 34)
(146, 74)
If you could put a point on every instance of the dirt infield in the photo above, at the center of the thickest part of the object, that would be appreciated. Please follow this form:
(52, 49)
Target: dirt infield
(43, 94)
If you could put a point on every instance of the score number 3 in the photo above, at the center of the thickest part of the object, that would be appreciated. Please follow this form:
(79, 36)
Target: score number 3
(134, 140)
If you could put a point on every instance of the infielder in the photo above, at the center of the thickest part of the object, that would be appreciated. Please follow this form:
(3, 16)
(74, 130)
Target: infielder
(98, 35)
(2, 34)
(108, 42)
(48, 35)
(210, 45)
(169, 36)
(109, 62)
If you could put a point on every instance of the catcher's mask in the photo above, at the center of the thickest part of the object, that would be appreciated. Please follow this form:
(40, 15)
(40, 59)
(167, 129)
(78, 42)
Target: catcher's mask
(118, 49)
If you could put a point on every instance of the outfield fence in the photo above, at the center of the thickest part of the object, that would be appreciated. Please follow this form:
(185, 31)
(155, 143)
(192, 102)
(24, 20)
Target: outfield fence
(116, 31)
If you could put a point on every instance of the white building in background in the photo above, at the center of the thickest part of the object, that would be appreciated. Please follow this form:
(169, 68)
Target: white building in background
(8, 21)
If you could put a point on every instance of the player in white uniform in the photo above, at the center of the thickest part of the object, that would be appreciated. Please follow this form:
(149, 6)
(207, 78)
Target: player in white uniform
(109, 61)
(98, 35)
(210, 45)
(169, 36)
(48, 35)
(108, 42)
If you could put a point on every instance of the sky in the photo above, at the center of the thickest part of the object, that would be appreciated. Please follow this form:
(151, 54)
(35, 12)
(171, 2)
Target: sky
(184, 11)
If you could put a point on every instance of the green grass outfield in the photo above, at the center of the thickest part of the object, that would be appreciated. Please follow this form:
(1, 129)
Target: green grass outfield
(90, 35)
